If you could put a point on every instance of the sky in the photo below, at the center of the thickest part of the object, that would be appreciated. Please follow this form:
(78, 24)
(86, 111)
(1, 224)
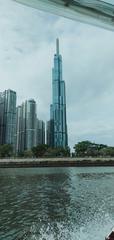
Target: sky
(27, 47)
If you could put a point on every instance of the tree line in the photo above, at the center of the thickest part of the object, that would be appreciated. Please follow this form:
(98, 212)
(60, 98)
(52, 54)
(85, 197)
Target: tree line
(81, 149)
(89, 149)
(42, 150)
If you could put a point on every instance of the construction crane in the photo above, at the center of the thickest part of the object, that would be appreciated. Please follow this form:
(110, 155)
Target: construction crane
(95, 12)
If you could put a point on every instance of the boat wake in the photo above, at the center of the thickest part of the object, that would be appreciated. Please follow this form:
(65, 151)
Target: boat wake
(90, 230)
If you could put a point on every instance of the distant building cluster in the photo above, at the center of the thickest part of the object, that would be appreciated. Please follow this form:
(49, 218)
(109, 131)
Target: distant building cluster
(30, 131)
(20, 126)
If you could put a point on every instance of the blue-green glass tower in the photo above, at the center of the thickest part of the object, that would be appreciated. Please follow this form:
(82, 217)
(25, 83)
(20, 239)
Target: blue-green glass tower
(7, 117)
(58, 106)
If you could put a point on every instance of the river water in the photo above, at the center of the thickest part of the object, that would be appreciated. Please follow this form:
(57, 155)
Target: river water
(56, 203)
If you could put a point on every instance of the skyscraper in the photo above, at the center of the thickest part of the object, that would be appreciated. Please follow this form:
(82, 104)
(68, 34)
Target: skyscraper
(40, 132)
(50, 133)
(7, 117)
(26, 126)
(18, 135)
(30, 123)
(58, 123)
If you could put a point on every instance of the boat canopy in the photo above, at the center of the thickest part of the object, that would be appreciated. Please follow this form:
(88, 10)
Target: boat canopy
(110, 236)
(96, 12)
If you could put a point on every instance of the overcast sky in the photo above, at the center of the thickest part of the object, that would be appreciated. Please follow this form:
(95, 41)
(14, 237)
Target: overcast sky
(27, 46)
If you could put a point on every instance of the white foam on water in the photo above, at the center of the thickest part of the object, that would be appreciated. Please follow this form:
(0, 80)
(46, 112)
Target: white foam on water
(95, 230)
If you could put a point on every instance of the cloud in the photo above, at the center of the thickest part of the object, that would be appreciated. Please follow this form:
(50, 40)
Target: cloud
(27, 46)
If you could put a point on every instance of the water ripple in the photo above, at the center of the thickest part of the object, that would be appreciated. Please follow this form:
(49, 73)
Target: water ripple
(69, 203)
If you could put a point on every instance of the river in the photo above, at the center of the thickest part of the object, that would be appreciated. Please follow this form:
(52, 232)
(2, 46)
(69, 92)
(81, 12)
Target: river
(56, 203)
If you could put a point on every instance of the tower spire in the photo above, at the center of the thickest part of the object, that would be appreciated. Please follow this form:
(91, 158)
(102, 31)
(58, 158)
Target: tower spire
(57, 46)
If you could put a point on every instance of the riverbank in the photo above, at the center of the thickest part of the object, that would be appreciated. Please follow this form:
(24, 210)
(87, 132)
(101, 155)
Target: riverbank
(56, 162)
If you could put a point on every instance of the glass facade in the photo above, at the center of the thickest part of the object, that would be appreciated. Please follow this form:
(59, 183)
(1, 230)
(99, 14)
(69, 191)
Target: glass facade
(95, 12)
(40, 132)
(26, 126)
(18, 137)
(7, 117)
(30, 123)
(49, 133)
(58, 106)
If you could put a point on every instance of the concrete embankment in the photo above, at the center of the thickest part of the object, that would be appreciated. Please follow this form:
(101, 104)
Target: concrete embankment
(56, 162)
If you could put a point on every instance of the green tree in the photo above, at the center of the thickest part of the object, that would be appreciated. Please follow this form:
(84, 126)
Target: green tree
(67, 151)
(107, 152)
(81, 148)
(50, 152)
(58, 152)
(45, 151)
(28, 154)
(87, 148)
(6, 150)
(40, 150)
(20, 154)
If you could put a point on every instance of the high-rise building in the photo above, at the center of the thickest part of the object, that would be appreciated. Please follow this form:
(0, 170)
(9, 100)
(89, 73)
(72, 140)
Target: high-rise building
(20, 129)
(30, 123)
(26, 126)
(40, 132)
(49, 133)
(7, 117)
(58, 123)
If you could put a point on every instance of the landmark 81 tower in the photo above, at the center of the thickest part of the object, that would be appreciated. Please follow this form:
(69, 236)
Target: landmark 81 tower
(58, 107)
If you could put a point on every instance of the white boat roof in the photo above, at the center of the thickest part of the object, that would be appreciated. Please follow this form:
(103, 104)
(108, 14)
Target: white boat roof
(96, 12)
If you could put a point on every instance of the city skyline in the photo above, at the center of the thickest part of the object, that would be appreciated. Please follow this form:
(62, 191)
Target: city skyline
(20, 126)
(26, 59)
